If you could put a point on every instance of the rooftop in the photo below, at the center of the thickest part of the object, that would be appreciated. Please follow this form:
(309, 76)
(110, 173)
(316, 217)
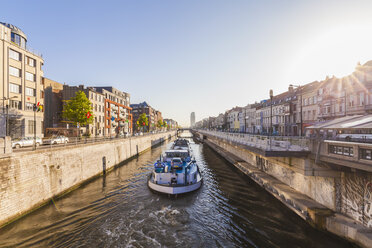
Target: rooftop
(15, 29)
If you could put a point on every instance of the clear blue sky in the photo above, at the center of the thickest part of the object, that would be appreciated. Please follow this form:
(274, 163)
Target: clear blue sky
(203, 56)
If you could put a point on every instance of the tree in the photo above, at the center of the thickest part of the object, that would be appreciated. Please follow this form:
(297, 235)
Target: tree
(160, 124)
(166, 125)
(78, 110)
(142, 120)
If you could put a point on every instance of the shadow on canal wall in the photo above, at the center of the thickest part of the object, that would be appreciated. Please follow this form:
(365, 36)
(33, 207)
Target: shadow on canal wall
(31, 179)
(312, 191)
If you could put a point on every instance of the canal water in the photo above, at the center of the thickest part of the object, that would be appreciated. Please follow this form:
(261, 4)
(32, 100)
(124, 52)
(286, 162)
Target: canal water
(118, 210)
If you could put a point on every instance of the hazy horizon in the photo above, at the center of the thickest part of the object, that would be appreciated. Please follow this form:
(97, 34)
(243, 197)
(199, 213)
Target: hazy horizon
(195, 56)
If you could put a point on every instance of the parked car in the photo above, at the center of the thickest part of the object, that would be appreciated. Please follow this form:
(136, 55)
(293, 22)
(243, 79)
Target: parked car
(57, 140)
(26, 141)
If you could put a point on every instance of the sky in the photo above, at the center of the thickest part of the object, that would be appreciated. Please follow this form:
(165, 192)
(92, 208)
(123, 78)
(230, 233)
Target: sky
(202, 56)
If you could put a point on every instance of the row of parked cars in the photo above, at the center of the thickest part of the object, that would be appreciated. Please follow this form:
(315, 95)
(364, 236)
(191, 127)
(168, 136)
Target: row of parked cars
(30, 141)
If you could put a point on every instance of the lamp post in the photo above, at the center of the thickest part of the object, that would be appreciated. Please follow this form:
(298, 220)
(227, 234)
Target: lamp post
(271, 114)
(271, 111)
(300, 89)
(6, 105)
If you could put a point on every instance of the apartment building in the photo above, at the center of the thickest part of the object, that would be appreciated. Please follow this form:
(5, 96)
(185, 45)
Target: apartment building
(118, 119)
(233, 119)
(358, 89)
(308, 95)
(141, 108)
(97, 100)
(349, 95)
(250, 118)
(172, 124)
(158, 117)
(21, 88)
(53, 103)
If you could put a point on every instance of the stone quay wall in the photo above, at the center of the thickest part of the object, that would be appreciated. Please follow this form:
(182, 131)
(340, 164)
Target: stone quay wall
(328, 196)
(30, 179)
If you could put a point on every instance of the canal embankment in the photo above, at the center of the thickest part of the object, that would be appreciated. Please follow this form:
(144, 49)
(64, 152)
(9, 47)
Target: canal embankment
(312, 192)
(31, 179)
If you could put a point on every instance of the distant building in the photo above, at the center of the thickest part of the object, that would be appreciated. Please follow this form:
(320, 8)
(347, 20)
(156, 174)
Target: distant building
(172, 124)
(158, 117)
(117, 111)
(192, 119)
(233, 119)
(141, 108)
(52, 103)
(21, 86)
(98, 102)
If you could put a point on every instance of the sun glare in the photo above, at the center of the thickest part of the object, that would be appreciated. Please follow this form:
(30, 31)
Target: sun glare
(334, 52)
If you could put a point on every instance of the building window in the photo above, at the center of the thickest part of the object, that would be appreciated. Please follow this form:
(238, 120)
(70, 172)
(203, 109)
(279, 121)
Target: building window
(14, 88)
(18, 40)
(30, 92)
(31, 126)
(15, 55)
(351, 102)
(341, 150)
(14, 71)
(29, 106)
(15, 104)
(30, 61)
(361, 99)
(365, 153)
(30, 76)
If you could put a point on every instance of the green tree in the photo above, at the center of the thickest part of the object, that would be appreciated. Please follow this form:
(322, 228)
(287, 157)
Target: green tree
(142, 120)
(78, 110)
(159, 124)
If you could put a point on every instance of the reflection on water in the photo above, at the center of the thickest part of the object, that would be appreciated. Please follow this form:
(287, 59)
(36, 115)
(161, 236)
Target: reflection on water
(118, 210)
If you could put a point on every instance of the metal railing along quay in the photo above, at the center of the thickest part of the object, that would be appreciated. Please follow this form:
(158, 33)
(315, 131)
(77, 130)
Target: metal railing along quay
(74, 141)
(267, 143)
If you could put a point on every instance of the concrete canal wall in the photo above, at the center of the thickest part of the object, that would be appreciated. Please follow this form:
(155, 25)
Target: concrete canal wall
(333, 199)
(30, 179)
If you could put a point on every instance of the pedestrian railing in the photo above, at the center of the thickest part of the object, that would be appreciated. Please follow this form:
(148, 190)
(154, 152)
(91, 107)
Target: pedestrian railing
(269, 143)
(74, 141)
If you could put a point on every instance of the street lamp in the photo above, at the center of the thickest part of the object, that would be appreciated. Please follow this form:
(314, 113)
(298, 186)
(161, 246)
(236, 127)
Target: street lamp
(271, 111)
(300, 89)
(6, 105)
